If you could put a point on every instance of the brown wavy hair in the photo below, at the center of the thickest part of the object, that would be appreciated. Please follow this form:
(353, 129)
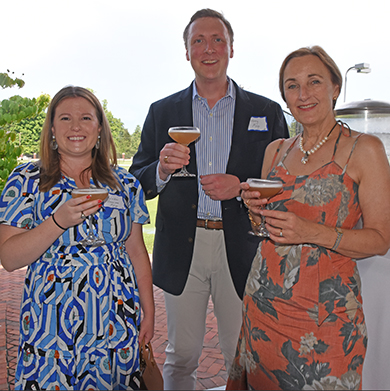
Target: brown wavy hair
(103, 159)
(318, 51)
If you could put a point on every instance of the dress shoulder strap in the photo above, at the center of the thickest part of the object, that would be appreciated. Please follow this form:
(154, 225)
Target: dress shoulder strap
(350, 154)
(338, 139)
(289, 149)
(277, 152)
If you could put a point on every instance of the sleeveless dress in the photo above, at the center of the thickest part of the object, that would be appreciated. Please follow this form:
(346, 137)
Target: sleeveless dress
(303, 323)
(80, 310)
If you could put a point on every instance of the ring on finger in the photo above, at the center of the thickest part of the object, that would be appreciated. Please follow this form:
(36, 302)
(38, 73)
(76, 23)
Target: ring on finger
(166, 159)
(83, 216)
(208, 193)
(281, 232)
(247, 203)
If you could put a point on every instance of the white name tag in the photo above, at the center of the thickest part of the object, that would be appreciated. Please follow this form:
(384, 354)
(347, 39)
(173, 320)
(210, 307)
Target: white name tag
(114, 202)
(258, 124)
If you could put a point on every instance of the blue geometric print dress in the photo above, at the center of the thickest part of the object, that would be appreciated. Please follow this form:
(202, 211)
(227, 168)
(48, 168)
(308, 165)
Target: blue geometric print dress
(80, 312)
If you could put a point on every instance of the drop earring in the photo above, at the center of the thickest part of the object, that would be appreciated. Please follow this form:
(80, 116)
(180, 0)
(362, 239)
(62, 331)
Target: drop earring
(97, 145)
(53, 143)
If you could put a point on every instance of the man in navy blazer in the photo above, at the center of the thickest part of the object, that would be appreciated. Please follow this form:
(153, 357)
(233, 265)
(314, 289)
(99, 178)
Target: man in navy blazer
(202, 246)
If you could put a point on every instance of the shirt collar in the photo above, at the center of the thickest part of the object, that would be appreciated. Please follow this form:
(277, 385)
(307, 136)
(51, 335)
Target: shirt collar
(231, 91)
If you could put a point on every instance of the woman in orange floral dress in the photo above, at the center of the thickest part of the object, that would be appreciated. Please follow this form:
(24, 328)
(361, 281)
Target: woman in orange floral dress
(303, 321)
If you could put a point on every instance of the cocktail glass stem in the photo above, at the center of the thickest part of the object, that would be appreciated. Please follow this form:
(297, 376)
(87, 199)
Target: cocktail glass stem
(183, 173)
(91, 235)
(92, 239)
(260, 230)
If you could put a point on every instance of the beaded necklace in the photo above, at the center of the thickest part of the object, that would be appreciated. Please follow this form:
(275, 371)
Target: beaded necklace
(309, 152)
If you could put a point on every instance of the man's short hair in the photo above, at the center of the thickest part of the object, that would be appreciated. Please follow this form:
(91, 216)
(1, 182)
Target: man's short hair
(208, 13)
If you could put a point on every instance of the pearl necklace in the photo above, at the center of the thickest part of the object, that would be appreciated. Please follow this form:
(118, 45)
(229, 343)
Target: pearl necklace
(306, 154)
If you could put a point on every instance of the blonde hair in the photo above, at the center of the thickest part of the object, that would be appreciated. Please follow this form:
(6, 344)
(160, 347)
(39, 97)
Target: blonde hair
(103, 159)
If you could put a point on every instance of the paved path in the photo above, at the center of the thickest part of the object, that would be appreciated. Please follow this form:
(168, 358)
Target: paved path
(211, 373)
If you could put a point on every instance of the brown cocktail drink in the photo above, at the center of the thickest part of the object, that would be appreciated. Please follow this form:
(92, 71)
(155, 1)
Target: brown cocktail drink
(183, 135)
(267, 188)
(96, 194)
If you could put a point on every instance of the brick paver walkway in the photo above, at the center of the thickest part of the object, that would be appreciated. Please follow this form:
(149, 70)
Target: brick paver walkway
(11, 286)
(211, 371)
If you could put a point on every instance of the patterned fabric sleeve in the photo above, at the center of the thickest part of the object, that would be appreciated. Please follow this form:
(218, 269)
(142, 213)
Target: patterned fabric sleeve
(18, 197)
(137, 205)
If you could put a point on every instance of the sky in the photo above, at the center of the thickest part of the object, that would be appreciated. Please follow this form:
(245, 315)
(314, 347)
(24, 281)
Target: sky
(131, 53)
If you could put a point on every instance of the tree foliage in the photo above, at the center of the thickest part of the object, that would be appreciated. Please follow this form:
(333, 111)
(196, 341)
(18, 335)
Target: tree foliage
(29, 131)
(6, 81)
(121, 135)
(135, 140)
(14, 110)
(17, 108)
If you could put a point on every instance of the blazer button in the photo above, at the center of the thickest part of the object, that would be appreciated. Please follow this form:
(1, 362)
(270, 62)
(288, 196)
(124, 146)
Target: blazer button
(149, 191)
(190, 240)
(193, 206)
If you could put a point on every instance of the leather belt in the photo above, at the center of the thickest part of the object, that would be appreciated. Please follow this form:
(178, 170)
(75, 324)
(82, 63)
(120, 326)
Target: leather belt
(209, 224)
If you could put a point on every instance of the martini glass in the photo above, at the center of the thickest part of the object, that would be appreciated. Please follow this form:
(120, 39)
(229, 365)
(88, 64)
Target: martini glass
(96, 194)
(267, 188)
(184, 135)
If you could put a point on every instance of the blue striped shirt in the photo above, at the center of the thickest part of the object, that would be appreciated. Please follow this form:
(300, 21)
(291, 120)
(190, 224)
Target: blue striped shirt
(213, 145)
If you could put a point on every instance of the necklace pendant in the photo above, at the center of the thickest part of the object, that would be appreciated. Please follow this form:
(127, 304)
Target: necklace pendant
(305, 159)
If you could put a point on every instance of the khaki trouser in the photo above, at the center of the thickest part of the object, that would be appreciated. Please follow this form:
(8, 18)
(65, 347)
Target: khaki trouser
(186, 313)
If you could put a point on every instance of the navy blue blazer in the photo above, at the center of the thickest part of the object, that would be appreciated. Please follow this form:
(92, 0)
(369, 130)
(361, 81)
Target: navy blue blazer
(178, 202)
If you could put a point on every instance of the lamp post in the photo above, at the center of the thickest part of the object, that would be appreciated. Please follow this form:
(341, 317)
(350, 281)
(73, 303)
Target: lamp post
(360, 68)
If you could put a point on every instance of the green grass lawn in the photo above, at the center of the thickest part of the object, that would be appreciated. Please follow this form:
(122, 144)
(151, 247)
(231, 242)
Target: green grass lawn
(148, 229)
(124, 163)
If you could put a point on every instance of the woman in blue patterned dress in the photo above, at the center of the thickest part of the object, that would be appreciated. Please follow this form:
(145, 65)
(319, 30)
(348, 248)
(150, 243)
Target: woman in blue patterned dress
(81, 309)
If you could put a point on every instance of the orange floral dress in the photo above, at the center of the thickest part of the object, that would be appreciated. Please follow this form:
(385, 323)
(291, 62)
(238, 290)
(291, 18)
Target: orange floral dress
(303, 323)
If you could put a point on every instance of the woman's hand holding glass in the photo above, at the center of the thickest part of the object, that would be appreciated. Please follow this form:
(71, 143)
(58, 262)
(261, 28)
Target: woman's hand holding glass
(74, 211)
(100, 195)
(263, 189)
(252, 201)
(285, 227)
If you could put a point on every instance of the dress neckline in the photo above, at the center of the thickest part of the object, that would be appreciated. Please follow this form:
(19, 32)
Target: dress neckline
(332, 161)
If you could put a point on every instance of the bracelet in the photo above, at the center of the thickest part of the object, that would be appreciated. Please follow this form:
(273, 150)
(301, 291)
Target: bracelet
(338, 239)
(55, 222)
(253, 221)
